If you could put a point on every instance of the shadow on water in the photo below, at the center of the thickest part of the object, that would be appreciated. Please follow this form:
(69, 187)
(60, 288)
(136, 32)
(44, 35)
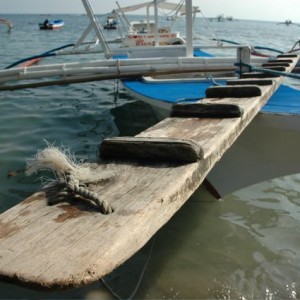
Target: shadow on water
(133, 117)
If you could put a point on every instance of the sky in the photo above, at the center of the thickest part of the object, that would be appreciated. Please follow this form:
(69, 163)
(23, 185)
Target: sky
(266, 10)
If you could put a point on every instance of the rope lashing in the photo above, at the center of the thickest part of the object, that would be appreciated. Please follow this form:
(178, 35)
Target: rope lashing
(73, 186)
(71, 178)
(69, 186)
(267, 71)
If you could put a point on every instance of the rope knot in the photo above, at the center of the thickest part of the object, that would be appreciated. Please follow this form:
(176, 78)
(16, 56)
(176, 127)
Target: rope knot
(73, 185)
(71, 177)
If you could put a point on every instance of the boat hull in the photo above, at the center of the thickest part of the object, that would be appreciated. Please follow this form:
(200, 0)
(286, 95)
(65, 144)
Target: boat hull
(51, 25)
(162, 94)
(110, 27)
(145, 39)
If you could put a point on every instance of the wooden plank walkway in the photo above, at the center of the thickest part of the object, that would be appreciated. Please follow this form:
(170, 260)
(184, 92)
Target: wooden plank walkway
(71, 243)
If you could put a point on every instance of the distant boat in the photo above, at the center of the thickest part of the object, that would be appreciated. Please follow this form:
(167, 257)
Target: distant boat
(221, 18)
(110, 23)
(286, 22)
(51, 24)
(148, 32)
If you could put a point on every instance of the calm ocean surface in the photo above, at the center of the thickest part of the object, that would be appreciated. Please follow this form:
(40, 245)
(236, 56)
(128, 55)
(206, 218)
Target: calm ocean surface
(244, 247)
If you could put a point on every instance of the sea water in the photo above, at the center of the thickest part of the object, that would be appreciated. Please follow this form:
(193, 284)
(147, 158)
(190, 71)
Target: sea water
(243, 247)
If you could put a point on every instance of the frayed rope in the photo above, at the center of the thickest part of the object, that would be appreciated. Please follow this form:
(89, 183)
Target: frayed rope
(71, 176)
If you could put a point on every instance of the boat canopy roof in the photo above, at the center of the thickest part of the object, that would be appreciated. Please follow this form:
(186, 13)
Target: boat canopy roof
(160, 4)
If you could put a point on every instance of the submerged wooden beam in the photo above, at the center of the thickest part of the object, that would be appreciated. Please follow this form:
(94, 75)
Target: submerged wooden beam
(71, 244)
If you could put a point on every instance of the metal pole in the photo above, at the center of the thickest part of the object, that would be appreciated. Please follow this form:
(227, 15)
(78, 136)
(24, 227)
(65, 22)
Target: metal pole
(95, 25)
(189, 28)
(156, 24)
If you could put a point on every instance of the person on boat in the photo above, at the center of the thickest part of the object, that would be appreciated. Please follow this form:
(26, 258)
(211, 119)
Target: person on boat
(110, 23)
(46, 22)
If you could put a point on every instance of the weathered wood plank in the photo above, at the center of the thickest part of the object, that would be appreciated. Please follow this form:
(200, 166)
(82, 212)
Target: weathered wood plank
(208, 110)
(275, 68)
(71, 244)
(281, 60)
(258, 75)
(287, 56)
(249, 81)
(276, 64)
(236, 91)
(151, 149)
